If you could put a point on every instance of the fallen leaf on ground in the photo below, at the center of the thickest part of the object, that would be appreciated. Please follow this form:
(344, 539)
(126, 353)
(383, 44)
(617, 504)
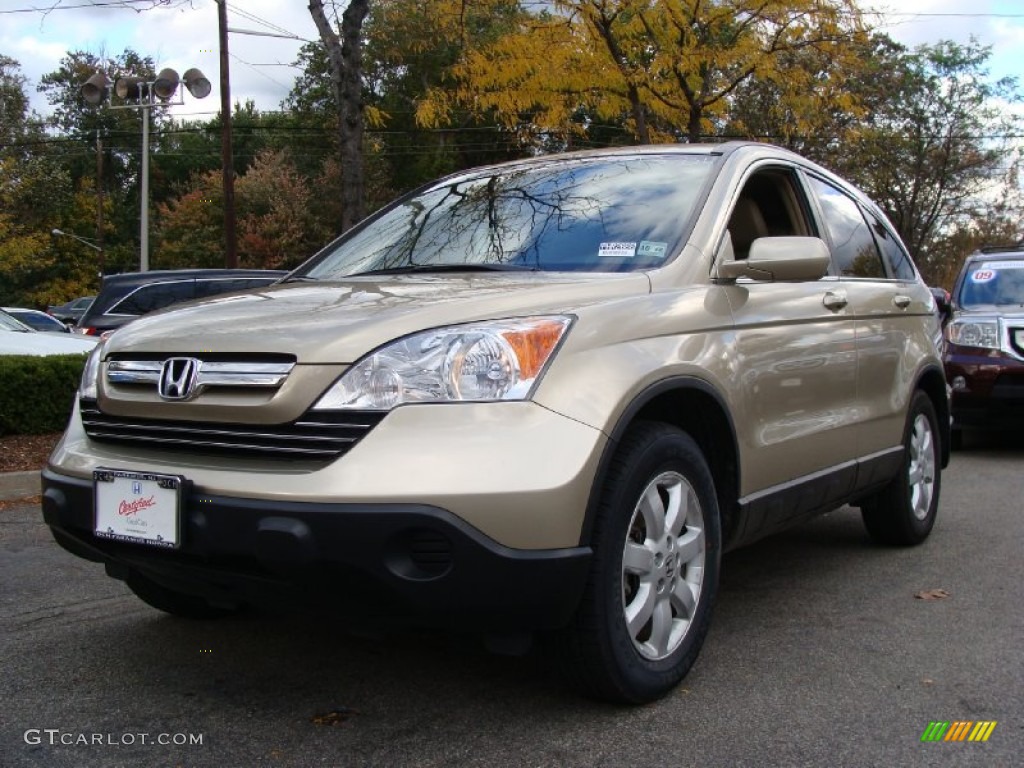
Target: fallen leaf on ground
(932, 594)
(334, 717)
(27, 501)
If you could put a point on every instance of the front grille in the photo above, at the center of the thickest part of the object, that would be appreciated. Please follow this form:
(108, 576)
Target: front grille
(315, 435)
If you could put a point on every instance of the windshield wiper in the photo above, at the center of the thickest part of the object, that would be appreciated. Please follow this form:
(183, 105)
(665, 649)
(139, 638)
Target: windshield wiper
(427, 268)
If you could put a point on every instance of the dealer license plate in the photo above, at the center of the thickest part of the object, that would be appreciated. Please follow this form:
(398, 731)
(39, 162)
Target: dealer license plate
(139, 507)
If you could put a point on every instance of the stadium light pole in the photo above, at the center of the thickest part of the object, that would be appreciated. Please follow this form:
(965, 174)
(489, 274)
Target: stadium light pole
(144, 95)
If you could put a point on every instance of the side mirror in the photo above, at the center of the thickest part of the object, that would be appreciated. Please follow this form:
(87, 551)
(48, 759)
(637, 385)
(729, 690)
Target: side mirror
(943, 303)
(779, 259)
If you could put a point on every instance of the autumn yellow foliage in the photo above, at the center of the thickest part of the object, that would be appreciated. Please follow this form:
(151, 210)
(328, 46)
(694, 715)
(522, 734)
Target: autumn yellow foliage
(665, 68)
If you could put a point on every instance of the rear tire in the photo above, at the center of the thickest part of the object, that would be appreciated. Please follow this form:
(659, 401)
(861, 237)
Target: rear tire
(175, 603)
(903, 512)
(654, 572)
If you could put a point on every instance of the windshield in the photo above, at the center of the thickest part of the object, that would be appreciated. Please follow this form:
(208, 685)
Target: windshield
(994, 283)
(8, 323)
(608, 214)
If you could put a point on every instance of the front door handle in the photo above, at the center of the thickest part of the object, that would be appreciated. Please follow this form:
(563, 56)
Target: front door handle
(835, 300)
(901, 301)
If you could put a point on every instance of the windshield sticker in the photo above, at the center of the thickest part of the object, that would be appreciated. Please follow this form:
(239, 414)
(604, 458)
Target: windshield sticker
(983, 275)
(1004, 265)
(616, 250)
(651, 249)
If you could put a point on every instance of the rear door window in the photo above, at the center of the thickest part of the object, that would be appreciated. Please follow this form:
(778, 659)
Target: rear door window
(853, 247)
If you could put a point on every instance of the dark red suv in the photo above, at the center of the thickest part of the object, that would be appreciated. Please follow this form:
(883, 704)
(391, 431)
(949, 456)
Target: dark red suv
(984, 355)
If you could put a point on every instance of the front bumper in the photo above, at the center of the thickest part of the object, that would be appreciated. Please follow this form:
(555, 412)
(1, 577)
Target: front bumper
(397, 564)
(450, 515)
(988, 389)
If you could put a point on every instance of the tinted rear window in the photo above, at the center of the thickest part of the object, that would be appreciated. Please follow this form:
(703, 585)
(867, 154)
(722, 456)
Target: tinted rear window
(154, 296)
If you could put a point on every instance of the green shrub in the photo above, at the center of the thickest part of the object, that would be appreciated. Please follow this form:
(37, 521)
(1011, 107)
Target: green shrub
(37, 394)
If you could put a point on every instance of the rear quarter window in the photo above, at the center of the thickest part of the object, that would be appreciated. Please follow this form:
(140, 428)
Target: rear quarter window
(154, 296)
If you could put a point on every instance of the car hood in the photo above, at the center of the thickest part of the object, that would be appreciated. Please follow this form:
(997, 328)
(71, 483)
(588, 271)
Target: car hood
(339, 322)
(40, 344)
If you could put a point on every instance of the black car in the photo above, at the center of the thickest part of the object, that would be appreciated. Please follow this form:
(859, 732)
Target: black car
(124, 297)
(71, 311)
(984, 356)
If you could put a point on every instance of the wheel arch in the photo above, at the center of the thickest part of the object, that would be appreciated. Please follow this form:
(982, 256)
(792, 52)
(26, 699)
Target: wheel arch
(932, 381)
(694, 406)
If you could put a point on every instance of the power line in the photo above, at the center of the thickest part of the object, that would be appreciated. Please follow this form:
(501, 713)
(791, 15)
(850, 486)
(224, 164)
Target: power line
(124, 4)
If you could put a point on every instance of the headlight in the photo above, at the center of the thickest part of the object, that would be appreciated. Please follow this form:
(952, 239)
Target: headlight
(91, 373)
(974, 333)
(496, 360)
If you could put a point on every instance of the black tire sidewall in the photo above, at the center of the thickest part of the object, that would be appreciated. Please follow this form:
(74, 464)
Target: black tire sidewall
(917, 528)
(889, 516)
(654, 449)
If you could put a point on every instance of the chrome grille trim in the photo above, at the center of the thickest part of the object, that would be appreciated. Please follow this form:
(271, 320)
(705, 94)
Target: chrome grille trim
(330, 436)
(211, 374)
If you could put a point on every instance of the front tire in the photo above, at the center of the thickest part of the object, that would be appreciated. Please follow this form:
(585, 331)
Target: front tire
(903, 513)
(654, 573)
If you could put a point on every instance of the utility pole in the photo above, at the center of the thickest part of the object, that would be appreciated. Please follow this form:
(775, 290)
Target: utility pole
(99, 200)
(227, 155)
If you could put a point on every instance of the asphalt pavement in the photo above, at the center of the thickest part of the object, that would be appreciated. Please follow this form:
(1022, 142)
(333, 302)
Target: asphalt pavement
(821, 653)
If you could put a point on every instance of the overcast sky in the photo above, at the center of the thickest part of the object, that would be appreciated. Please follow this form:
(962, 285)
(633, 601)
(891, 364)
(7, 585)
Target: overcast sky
(38, 33)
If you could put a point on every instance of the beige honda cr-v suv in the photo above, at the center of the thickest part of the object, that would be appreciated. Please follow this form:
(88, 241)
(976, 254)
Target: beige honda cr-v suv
(536, 398)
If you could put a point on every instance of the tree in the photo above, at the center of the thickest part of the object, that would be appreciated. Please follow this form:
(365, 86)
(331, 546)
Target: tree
(84, 126)
(411, 45)
(829, 115)
(666, 68)
(36, 269)
(344, 54)
(13, 102)
(277, 223)
(938, 153)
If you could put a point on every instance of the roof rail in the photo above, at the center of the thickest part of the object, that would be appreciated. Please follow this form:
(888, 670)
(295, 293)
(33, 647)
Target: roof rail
(1001, 248)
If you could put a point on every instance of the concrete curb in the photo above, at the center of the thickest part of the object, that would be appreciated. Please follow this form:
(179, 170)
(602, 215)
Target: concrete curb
(18, 485)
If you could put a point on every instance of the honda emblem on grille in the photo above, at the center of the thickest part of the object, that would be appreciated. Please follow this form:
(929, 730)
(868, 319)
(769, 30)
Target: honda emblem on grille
(178, 378)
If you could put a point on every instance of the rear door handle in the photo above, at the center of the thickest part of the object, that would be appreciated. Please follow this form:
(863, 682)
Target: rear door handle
(901, 301)
(835, 300)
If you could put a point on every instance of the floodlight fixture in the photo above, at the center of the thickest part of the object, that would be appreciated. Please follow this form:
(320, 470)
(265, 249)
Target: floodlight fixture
(166, 84)
(197, 83)
(95, 87)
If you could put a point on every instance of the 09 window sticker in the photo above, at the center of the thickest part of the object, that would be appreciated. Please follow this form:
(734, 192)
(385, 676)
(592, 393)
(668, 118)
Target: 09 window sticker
(991, 270)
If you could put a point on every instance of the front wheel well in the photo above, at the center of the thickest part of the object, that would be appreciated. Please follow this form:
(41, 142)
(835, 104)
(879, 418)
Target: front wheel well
(694, 408)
